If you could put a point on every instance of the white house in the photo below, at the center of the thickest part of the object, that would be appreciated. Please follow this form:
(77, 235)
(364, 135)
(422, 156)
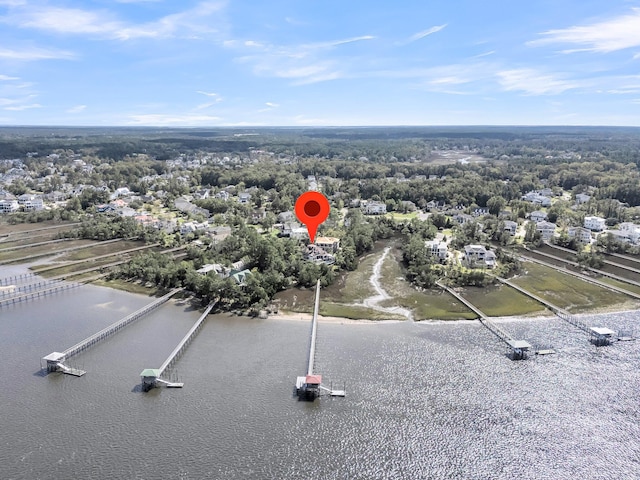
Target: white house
(284, 217)
(299, 233)
(190, 227)
(477, 256)
(217, 268)
(620, 235)
(120, 192)
(374, 208)
(8, 206)
(632, 229)
(202, 194)
(537, 198)
(538, 216)
(511, 227)
(314, 253)
(30, 203)
(437, 249)
(581, 234)
(582, 198)
(594, 223)
(244, 197)
(462, 218)
(546, 230)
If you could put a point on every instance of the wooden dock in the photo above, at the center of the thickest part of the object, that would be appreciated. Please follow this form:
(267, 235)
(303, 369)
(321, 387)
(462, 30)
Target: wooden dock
(35, 291)
(309, 387)
(55, 360)
(519, 348)
(599, 336)
(151, 376)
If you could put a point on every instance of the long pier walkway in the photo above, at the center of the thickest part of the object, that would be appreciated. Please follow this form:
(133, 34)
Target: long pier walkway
(519, 348)
(597, 335)
(309, 387)
(151, 376)
(55, 360)
(16, 279)
(33, 291)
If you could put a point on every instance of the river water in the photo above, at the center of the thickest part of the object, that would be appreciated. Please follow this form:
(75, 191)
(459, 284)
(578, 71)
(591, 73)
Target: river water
(423, 400)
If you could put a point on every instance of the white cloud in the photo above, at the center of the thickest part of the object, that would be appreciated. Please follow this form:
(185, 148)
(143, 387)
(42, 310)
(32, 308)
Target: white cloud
(335, 43)
(532, 82)
(202, 106)
(101, 23)
(302, 64)
(35, 54)
(270, 107)
(19, 108)
(424, 33)
(603, 37)
(7, 78)
(163, 120)
(208, 94)
(299, 71)
(486, 54)
(77, 109)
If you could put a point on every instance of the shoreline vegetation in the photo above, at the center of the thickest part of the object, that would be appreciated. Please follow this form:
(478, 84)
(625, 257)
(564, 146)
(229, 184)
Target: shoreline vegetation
(211, 211)
(377, 291)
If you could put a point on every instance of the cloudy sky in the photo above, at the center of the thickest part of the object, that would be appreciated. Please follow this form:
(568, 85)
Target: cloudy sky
(319, 62)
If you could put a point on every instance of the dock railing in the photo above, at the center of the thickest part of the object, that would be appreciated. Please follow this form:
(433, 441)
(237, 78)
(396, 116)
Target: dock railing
(111, 329)
(184, 343)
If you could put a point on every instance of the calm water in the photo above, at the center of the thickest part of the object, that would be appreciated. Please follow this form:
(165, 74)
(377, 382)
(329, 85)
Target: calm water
(423, 400)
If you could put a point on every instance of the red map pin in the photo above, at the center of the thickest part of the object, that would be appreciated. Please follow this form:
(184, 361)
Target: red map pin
(312, 208)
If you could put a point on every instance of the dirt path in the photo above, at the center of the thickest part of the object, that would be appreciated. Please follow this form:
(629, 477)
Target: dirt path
(373, 301)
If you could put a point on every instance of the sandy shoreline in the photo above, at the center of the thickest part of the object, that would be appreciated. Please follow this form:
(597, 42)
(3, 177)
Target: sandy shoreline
(306, 317)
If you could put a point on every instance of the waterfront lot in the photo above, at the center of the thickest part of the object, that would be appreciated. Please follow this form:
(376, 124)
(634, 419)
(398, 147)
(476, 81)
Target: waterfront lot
(566, 291)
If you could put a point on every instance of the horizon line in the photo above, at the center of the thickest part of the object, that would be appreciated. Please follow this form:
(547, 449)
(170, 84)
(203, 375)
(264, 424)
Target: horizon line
(187, 127)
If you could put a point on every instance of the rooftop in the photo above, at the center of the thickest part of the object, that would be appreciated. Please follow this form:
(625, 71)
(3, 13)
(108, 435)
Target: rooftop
(522, 344)
(602, 331)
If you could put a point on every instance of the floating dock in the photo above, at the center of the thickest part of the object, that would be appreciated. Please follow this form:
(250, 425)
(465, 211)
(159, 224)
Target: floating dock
(519, 349)
(151, 376)
(309, 386)
(55, 361)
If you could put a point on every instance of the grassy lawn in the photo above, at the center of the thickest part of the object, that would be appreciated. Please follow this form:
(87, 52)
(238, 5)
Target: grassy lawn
(430, 304)
(100, 249)
(401, 216)
(66, 269)
(23, 255)
(354, 287)
(567, 291)
(502, 301)
(18, 241)
(131, 287)
(6, 228)
(619, 284)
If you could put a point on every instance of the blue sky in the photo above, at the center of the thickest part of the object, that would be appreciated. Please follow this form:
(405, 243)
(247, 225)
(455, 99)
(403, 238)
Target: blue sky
(315, 63)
